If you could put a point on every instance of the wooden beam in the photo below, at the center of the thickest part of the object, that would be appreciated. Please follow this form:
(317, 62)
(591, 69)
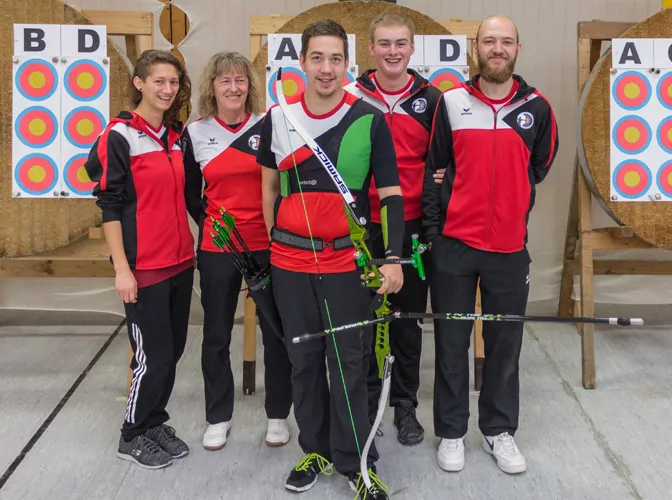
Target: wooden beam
(626, 267)
(609, 239)
(122, 22)
(263, 25)
(603, 30)
(461, 27)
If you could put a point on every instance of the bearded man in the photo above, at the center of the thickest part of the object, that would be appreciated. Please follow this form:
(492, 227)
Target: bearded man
(497, 138)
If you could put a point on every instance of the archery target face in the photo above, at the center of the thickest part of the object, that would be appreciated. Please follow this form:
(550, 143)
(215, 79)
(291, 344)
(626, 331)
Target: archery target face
(632, 134)
(36, 80)
(36, 174)
(664, 90)
(85, 80)
(75, 176)
(632, 90)
(631, 179)
(83, 125)
(664, 179)
(36, 127)
(446, 78)
(664, 135)
(293, 82)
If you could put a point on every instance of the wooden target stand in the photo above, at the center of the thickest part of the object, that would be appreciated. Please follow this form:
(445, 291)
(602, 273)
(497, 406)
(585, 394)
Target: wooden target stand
(582, 239)
(261, 26)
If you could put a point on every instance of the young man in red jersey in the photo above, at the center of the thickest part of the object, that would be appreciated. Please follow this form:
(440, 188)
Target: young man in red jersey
(497, 138)
(408, 101)
(316, 284)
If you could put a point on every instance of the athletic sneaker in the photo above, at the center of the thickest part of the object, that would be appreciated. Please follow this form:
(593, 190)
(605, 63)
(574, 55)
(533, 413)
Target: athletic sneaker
(277, 432)
(304, 475)
(144, 452)
(164, 436)
(216, 435)
(450, 455)
(378, 490)
(504, 449)
(409, 430)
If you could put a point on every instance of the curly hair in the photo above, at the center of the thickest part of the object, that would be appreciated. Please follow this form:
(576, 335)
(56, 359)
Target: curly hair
(143, 69)
(221, 64)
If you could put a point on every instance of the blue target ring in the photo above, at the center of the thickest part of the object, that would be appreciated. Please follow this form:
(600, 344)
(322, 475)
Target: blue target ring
(631, 90)
(36, 127)
(85, 80)
(293, 83)
(36, 80)
(36, 174)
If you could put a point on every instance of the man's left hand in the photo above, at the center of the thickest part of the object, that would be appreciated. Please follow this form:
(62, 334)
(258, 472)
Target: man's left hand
(393, 278)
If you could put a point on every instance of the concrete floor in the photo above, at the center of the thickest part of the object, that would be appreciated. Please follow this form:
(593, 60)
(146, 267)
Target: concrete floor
(609, 443)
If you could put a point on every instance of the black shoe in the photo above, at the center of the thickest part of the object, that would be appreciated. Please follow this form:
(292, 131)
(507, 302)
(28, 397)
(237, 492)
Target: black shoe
(164, 436)
(304, 475)
(378, 490)
(144, 452)
(409, 430)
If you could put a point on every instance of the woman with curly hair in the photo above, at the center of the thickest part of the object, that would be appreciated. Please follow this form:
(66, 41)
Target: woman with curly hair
(221, 149)
(138, 169)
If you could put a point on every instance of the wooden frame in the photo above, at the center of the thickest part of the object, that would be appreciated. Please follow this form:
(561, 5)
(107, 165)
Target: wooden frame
(260, 26)
(582, 239)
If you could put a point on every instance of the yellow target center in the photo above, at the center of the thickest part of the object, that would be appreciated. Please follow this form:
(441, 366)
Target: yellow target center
(631, 135)
(36, 174)
(445, 85)
(37, 80)
(669, 91)
(37, 127)
(82, 176)
(632, 179)
(631, 90)
(85, 80)
(289, 87)
(669, 135)
(85, 127)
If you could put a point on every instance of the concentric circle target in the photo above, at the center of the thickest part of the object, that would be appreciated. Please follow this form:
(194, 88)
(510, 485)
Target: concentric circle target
(36, 174)
(446, 78)
(664, 90)
(36, 80)
(631, 179)
(83, 125)
(85, 80)
(76, 177)
(664, 134)
(632, 134)
(631, 90)
(36, 127)
(293, 83)
(664, 179)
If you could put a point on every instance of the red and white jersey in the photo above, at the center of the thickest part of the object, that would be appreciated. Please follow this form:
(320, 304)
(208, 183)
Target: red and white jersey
(225, 158)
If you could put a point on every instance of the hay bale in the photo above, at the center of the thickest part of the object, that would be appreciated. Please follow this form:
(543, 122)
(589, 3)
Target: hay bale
(651, 221)
(33, 226)
(355, 18)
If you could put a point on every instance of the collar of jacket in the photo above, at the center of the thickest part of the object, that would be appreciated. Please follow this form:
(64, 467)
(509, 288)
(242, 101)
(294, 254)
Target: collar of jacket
(365, 82)
(524, 89)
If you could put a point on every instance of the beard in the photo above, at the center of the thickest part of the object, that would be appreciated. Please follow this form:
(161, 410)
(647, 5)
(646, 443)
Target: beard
(496, 75)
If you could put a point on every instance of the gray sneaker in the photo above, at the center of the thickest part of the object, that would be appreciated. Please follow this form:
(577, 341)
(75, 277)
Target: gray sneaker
(164, 436)
(144, 452)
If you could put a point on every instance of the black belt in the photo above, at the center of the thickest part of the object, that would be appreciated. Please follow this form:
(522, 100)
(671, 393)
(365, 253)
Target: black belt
(303, 243)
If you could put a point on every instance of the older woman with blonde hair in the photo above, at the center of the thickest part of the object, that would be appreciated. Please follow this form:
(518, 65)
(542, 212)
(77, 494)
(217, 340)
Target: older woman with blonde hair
(221, 150)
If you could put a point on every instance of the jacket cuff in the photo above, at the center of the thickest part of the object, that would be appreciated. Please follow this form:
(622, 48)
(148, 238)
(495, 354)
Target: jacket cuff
(111, 214)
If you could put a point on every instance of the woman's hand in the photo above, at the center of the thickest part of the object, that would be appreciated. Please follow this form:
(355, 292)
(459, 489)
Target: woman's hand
(126, 286)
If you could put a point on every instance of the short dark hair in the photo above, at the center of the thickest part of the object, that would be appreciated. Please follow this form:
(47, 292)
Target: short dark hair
(323, 27)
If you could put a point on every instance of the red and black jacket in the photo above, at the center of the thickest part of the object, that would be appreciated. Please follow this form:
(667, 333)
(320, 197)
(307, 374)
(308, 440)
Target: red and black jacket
(410, 122)
(140, 182)
(494, 156)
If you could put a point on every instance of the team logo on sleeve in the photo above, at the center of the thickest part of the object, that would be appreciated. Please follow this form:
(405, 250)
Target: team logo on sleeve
(253, 142)
(525, 120)
(419, 105)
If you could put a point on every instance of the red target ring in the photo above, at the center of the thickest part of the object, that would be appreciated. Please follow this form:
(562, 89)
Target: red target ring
(348, 78)
(83, 125)
(36, 80)
(631, 179)
(76, 176)
(631, 90)
(632, 134)
(293, 83)
(36, 127)
(36, 174)
(85, 80)
(664, 179)
(664, 90)
(664, 135)
(446, 78)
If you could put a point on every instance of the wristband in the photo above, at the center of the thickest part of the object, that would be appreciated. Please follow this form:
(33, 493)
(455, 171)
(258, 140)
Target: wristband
(392, 223)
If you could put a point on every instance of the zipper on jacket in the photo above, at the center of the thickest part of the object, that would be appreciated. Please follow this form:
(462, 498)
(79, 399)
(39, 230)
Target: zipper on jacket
(492, 183)
(177, 218)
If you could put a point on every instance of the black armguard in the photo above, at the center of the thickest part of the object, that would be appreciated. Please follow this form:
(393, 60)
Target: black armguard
(392, 223)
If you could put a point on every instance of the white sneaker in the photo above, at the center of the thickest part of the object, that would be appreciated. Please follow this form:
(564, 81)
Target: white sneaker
(504, 449)
(450, 456)
(277, 432)
(215, 435)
